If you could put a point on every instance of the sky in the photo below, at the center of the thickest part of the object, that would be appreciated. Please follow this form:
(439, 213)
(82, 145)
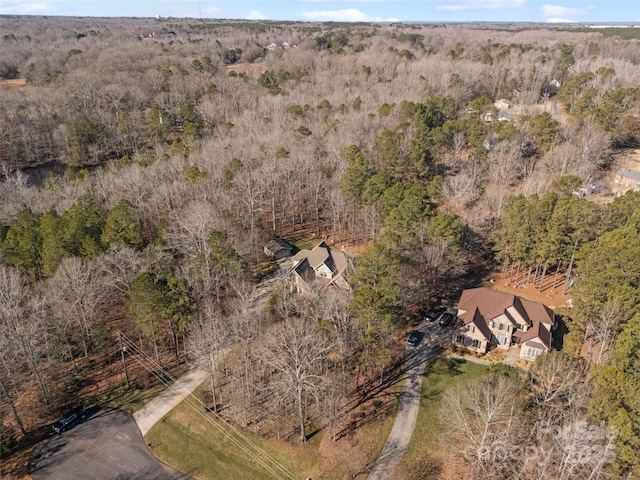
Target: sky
(582, 11)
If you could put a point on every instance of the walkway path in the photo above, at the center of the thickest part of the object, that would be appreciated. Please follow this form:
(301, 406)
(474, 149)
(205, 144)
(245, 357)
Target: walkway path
(415, 361)
(157, 408)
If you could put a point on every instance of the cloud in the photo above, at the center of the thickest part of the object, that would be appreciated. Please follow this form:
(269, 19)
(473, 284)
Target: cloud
(212, 11)
(9, 7)
(461, 5)
(559, 20)
(557, 11)
(256, 15)
(343, 15)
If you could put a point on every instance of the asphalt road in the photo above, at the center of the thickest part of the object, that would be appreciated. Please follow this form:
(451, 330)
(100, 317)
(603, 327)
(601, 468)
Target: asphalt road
(415, 361)
(105, 446)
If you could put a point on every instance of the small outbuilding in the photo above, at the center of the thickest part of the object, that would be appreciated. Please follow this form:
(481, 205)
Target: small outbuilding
(627, 179)
(277, 248)
(502, 104)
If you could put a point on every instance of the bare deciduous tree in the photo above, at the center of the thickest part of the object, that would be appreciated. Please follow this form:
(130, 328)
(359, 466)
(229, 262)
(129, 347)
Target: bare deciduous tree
(78, 292)
(297, 353)
(205, 339)
(24, 325)
(119, 266)
(556, 384)
(245, 326)
(484, 421)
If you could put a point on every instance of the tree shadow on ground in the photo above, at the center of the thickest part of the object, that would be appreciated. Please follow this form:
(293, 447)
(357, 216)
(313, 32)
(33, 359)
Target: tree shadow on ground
(559, 333)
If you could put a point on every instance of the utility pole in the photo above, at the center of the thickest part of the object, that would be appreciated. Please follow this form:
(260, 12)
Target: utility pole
(123, 350)
(568, 279)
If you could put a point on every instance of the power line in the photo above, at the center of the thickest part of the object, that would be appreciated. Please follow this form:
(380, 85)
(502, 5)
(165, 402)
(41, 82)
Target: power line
(269, 463)
(189, 400)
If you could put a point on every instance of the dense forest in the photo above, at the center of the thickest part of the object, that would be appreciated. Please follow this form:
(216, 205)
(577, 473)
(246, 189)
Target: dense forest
(145, 163)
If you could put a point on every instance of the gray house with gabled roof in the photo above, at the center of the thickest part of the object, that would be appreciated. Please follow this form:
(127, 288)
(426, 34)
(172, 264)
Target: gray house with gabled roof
(322, 265)
(277, 248)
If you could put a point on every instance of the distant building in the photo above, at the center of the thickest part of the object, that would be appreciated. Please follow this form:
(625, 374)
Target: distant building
(277, 248)
(502, 104)
(504, 117)
(627, 179)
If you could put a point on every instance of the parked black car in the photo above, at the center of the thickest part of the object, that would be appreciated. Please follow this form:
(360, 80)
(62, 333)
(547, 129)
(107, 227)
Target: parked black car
(433, 313)
(414, 338)
(69, 419)
(446, 319)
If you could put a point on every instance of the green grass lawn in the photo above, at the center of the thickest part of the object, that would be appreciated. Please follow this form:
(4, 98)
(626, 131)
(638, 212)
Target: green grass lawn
(439, 374)
(186, 440)
(308, 243)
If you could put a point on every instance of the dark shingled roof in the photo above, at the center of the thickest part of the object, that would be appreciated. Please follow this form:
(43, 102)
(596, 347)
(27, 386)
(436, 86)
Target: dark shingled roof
(275, 245)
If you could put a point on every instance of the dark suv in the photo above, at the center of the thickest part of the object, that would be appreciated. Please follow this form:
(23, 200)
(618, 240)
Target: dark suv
(433, 313)
(414, 338)
(69, 419)
(446, 319)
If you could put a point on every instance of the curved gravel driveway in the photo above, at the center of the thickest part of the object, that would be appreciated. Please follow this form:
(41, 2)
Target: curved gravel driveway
(415, 361)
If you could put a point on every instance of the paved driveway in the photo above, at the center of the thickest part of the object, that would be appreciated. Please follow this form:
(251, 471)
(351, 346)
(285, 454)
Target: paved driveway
(105, 446)
(415, 361)
(181, 388)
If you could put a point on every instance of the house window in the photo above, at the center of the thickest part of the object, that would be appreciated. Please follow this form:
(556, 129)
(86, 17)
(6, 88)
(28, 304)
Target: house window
(533, 352)
(471, 329)
(461, 339)
(475, 343)
(502, 326)
(501, 339)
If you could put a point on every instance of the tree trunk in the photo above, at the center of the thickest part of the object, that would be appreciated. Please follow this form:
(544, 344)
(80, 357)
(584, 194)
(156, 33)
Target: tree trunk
(40, 384)
(155, 346)
(84, 344)
(303, 433)
(14, 411)
(555, 278)
(568, 277)
(273, 213)
(216, 356)
(544, 273)
(213, 388)
(73, 357)
(174, 339)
